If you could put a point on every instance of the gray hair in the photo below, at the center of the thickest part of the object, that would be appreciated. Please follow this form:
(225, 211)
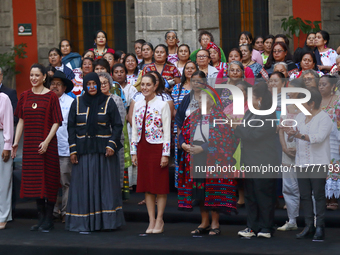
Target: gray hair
(281, 63)
(170, 31)
(106, 76)
(238, 63)
(311, 71)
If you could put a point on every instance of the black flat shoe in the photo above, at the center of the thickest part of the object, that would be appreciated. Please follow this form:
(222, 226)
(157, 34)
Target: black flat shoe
(307, 232)
(319, 234)
(240, 205)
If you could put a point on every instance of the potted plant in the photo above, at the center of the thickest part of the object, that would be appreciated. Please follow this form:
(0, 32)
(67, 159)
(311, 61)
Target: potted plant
(8, 64)
(295, 25)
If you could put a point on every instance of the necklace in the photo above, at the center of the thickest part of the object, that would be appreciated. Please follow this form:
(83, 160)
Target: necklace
(248, 63)
(35, 105)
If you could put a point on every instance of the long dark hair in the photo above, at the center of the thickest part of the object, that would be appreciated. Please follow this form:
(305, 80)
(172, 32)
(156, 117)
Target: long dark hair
(308, 52)
(184, 45)
(184, 78)
(284, 38)
(237, 50)
(248, 35)
(161, 86)
(135, 58)
(257, 37)
(271, 59)
(95, 37)
(151, 47)
(166, 52)
(306, 46)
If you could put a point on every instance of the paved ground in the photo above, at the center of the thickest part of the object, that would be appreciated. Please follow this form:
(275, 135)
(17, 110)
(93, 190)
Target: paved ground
(17, 239)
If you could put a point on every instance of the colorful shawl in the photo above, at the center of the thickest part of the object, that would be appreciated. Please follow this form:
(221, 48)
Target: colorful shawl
(220, 190)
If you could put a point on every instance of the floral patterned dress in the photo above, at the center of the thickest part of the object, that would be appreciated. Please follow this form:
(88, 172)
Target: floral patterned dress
(328, 58)
(333, 178)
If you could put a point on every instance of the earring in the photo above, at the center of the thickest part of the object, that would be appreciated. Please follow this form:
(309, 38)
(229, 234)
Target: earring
(325, 46)
(259, 104)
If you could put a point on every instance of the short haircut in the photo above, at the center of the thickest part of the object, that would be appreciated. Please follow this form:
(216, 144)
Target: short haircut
(101, 62)
(281, 63)
(315, 73)
(204, 32)
(106, 76)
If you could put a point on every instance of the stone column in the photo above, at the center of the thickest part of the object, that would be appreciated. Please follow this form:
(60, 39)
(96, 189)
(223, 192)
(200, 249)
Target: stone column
(279, 9)
(330, 9)
(155, 17)
(48, 27)
(130, 25)
(6, 33)
(6, 25)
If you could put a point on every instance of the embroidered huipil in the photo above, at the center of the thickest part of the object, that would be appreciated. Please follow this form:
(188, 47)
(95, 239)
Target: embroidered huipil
(157, 124)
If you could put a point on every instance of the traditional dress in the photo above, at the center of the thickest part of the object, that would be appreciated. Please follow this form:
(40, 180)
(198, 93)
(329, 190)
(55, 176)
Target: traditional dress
(95, 198)
(169, 72)
(97, 55)
(172, 58)
(217, 191)
(333, 178)
(150, 141)
(256, 68)
(178, 97)
(40, 173)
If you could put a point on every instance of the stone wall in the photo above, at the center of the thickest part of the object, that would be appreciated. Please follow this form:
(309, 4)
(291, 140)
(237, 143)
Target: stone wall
(48, 27)
(279, 9)
(330, 9)
(6, 25)
(155, 17)
(130, 25)
(6, 33)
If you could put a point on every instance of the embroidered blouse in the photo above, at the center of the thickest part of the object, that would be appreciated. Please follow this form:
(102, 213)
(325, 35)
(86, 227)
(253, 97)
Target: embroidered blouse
(157, 124)
(169, 71)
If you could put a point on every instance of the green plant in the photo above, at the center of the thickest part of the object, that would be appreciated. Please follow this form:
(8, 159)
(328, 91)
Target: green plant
(295, 25)
(7, 59)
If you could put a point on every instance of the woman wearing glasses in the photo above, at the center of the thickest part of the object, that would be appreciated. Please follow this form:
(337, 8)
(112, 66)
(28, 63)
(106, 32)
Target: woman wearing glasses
(171, 40)
(279, 53)
(202, 60)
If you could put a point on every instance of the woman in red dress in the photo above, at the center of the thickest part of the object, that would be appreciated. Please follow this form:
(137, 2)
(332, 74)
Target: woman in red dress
(150, 149)
(39, 116)
(101, 47)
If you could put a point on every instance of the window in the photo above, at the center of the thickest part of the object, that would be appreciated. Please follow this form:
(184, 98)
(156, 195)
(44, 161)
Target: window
(241, 15)
(84, 17)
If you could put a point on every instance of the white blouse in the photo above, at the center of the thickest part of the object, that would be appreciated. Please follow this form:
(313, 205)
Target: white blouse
(317, 151)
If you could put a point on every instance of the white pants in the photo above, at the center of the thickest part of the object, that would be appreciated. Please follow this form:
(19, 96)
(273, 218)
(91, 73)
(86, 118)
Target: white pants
(5, 185)
(291, 193)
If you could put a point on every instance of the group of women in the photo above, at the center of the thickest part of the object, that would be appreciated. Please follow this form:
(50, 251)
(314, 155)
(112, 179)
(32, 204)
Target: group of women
(120, 131)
